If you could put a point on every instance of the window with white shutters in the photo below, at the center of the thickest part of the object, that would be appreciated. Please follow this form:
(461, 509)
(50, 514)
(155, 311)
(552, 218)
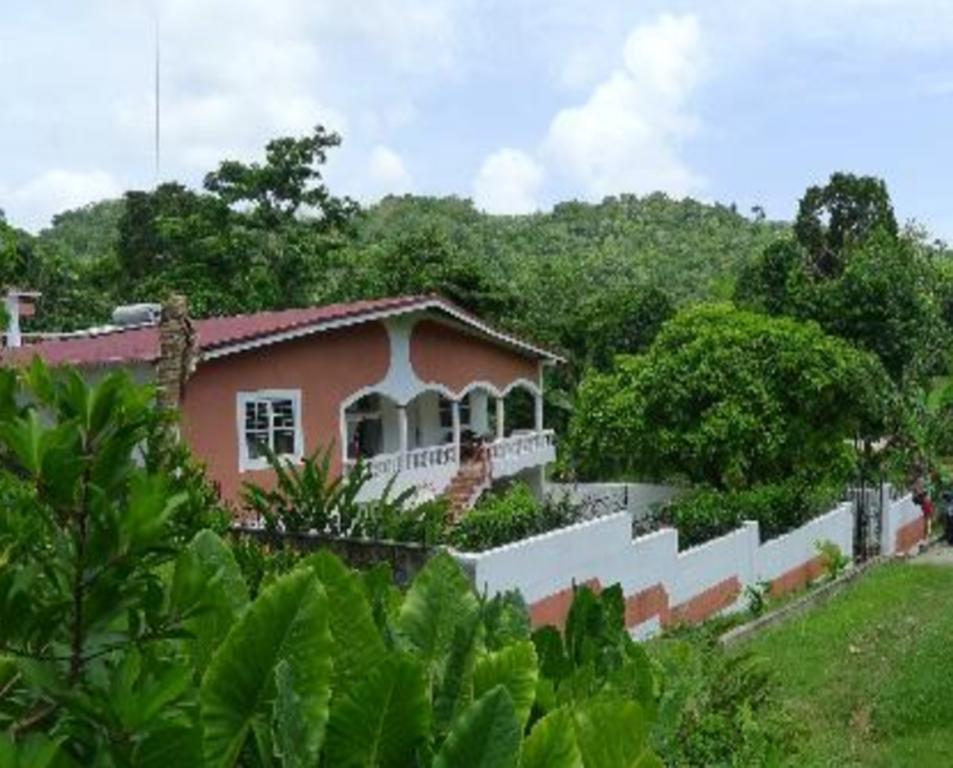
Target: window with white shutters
(269, 420)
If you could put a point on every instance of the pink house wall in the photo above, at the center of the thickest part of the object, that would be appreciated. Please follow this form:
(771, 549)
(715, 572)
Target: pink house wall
(328, 368)
(444, 355)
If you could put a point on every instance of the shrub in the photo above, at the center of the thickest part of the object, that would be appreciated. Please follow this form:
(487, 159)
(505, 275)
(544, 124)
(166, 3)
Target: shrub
(705, 513)
(833, 559)
(510, 515)
(716, 708)
(310, 497)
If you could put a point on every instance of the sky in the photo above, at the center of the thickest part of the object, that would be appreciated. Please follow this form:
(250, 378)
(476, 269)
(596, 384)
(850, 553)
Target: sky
(517, 104)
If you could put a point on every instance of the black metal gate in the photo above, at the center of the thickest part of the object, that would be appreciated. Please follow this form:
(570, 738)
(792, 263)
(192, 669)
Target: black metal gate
(869, 501)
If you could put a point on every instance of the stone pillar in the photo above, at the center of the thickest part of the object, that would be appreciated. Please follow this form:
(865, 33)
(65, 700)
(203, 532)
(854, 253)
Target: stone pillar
(176, 352)
(500, 427)
(402, 437)
(455, 413)
(538, 411)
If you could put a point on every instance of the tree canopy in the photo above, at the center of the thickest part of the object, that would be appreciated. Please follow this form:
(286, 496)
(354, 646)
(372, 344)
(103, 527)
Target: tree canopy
(848, 267)
(729, 398)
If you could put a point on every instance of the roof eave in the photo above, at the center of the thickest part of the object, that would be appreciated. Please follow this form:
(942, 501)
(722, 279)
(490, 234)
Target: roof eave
(230, 348)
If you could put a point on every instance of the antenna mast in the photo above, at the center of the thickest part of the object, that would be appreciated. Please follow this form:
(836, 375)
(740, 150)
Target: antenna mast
(157, 124)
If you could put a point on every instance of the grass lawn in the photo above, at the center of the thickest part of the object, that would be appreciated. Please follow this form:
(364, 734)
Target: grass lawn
(868, 677)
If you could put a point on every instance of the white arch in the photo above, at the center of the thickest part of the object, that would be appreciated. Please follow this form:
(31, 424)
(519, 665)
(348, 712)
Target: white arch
(487, 385)
(532, 386)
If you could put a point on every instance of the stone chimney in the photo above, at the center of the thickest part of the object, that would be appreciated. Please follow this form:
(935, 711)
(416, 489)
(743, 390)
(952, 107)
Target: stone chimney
(177, 346)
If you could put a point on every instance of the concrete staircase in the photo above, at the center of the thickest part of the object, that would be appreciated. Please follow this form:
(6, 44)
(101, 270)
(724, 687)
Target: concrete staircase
(471, 480)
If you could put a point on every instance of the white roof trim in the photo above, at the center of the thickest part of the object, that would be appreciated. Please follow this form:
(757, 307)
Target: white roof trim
(423, 305)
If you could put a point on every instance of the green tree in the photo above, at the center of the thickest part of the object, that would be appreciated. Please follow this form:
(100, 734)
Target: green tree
(844, 212)
(287, 183)
(848, 268)
(729, 398)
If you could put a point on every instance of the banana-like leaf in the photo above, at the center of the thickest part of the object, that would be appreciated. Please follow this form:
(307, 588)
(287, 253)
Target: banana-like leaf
(438, 601)
(209, 589)
(358, 646)
(287, 622)
(384, 720)
(552, 743)
(515, 668)
(487, 735)
(613, 732)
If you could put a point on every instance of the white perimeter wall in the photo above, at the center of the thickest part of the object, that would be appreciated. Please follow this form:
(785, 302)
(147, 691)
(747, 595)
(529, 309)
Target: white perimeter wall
(897, 514)
(603, 549)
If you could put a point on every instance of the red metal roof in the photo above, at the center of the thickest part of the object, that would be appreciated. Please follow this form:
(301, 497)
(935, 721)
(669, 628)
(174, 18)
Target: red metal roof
(141, 345)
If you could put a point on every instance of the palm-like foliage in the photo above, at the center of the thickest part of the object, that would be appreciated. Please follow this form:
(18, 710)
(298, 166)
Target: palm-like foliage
(310, 496)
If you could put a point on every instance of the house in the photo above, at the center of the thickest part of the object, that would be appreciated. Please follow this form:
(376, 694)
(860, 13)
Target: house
(406, 384)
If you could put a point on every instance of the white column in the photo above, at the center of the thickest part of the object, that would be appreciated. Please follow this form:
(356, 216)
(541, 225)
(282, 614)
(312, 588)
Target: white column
(402, 434)
(538, 411)
(500, 431)
(455, 412)
(13, 337)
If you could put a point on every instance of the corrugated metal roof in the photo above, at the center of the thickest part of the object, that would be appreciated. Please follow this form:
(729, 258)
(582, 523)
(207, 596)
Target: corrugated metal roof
(218, 334)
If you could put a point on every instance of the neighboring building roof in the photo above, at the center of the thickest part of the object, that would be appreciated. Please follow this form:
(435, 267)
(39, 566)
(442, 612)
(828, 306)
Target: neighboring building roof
(220, 336)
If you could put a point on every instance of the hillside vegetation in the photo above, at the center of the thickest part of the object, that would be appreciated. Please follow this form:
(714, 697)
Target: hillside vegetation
(530, 272)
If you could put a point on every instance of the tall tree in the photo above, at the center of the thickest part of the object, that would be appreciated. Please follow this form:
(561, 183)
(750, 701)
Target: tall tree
(288, 181)
(844, 212)
(848, 267)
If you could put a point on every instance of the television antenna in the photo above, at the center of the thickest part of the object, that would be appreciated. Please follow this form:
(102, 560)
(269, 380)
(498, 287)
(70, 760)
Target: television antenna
(158, 124)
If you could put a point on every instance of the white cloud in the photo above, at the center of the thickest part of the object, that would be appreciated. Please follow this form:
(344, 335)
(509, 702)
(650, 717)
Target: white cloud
(33, 204)
(236, 73)
(508, 182)
(627, 136)
(387, 174)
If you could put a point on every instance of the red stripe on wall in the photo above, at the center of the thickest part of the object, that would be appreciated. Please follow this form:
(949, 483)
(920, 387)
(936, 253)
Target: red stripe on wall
(554, 609)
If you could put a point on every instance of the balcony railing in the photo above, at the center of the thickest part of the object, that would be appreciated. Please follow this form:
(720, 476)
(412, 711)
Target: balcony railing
(502, 452)
(521, 445)
(387, 464)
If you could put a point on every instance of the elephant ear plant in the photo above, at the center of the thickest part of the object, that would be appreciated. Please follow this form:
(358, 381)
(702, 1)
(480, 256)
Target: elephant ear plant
(120, 645)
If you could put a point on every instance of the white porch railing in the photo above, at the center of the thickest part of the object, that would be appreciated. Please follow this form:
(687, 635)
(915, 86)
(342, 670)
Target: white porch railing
(508, 451)
(521, 445)
(388, 464)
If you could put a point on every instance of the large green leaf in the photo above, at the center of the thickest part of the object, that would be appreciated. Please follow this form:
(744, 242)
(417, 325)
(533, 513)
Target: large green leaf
(291, 728)
(384, 720)
(439, 599)
(612, 732)
(515, 668)
(454, 688)
(552, 743)
(358, 646)
(287, 622)
(35, 751)
(487, 735)
(506, 618)
(169, 746)
(209, 589)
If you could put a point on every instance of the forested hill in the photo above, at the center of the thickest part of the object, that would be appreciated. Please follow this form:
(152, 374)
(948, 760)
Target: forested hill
(688, 248)
(534, 273)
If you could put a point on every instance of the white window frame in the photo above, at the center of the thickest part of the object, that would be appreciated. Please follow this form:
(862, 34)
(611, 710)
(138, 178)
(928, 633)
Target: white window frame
(246, 462)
